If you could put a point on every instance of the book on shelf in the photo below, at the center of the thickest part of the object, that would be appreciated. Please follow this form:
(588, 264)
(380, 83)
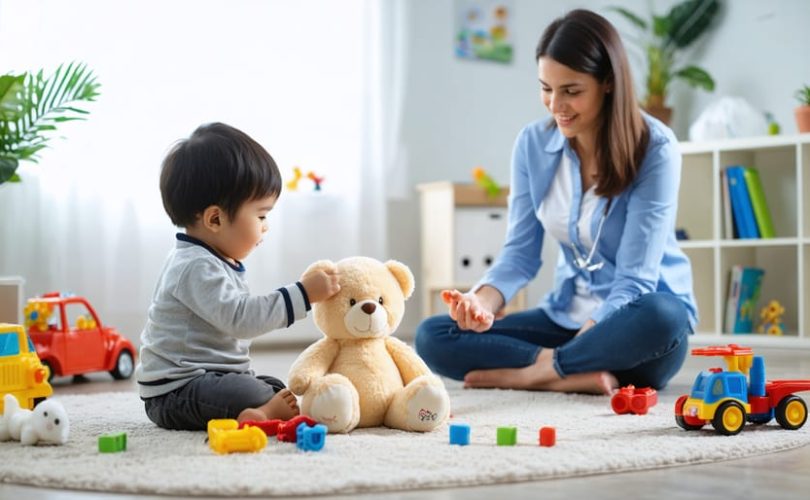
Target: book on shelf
(741, 208)
(729, 231)
(745, 284)
(761, 213)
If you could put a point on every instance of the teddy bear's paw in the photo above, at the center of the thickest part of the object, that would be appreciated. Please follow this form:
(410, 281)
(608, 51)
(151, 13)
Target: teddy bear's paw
(333, 406)
(428, 408)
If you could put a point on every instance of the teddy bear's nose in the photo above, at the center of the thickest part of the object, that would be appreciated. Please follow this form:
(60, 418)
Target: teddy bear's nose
(369, 307)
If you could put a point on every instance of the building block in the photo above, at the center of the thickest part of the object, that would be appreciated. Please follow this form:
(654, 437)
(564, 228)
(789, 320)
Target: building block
(225, 436)
(288, 430)
(548, 436)
(507, 436)
(310, 438)
(460, 434)
(112, 443)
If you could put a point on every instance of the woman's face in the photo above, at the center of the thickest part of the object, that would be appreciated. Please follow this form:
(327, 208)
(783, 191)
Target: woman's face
(574, 99)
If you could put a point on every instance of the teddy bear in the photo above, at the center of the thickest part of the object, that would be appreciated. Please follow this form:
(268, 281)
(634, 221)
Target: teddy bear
(358, 375)
(48, 422)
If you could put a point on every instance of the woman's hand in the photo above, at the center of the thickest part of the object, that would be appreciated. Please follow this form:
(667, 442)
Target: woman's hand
(470, 311)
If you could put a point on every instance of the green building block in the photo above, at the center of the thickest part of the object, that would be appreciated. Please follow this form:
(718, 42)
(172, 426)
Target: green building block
(112, 443)
(507, 436)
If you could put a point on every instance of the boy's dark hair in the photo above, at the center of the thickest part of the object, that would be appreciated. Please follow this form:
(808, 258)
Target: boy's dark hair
(217, 165)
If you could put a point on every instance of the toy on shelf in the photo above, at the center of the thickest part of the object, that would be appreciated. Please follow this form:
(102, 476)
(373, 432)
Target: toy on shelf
(21, 372)
(314, 178)
(630, 399)
(486, 182)
(460, 434)
(547, 436)
(771, 316)
(292, 184)
(112, 443)
(727, 399)
(47, 423)
(225, 436)
(310, 438)
(82, 347)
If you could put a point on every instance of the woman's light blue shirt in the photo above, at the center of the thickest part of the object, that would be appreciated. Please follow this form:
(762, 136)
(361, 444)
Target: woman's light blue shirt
(637, 244)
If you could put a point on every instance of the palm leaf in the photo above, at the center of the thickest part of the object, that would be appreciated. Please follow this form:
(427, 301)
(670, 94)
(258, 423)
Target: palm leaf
(42, 104)
(696, 77)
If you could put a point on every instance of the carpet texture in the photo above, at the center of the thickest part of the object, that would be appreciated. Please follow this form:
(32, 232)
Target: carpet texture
(590, 439)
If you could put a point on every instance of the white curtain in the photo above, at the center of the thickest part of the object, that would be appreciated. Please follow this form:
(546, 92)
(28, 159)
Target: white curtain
(309, 80)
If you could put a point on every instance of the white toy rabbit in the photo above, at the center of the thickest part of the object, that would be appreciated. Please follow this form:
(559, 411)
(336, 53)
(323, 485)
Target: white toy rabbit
(47, 423)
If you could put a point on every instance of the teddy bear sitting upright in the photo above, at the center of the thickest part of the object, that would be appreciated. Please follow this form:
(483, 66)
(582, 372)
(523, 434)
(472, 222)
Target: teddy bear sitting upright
(358, 375)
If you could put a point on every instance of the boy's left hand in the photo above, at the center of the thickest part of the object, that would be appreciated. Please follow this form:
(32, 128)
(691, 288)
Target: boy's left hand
(321, 282)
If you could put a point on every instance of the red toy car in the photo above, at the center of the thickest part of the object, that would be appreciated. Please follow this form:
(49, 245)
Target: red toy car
(70, 339)
(630, 399)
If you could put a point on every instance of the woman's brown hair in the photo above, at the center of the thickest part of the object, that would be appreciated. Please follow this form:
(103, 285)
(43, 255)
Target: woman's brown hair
(587, 43)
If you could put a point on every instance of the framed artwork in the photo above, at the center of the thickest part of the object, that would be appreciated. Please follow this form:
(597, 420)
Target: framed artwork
(483, 30)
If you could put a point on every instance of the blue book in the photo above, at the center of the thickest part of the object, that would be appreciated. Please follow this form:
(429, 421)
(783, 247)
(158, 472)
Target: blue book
(748, 288)
(741, 203)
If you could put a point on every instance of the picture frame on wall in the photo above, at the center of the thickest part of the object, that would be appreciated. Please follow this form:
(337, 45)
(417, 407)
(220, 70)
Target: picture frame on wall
(483, 30)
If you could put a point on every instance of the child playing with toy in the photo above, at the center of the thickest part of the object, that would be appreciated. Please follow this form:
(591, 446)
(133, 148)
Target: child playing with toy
(219, 185)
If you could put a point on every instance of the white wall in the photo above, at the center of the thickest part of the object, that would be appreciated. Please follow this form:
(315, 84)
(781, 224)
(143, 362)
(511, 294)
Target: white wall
(460, 113)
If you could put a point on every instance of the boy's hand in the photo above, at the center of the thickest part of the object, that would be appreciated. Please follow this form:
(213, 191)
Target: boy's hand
(467, 311)
(321, 283)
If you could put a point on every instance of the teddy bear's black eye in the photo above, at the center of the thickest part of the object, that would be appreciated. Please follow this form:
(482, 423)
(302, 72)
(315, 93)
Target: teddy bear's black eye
(352, 302)
(45, 414)
(56, 421)
(380, 301)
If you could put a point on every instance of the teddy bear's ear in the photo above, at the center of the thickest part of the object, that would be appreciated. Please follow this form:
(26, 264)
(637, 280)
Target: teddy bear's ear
(325, 265)
(403, 275)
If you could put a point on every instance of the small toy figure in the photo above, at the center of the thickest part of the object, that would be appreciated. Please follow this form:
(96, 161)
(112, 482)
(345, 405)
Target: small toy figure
(771, 316)
(314, 178)
(310, 438)
(486, 182)
(47, 424)
(292, 185)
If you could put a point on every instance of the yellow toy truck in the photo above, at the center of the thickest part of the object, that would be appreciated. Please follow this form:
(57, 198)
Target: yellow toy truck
(21, 372)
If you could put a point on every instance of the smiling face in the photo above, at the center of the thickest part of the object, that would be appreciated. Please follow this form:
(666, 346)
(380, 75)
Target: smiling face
(574, 99)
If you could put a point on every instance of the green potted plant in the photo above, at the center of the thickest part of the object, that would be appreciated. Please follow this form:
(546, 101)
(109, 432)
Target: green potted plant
(803, 111)
(31, 107)
(662, 40)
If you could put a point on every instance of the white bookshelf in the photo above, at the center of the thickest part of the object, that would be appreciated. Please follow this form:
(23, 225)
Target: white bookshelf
(784, 166)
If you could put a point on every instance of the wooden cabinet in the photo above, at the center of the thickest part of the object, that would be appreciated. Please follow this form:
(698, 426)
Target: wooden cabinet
(462, 231)
(783, 163)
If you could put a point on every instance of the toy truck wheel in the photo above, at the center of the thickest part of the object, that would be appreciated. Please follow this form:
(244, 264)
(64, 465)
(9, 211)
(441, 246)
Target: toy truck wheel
(49, 368)
(124, 366)
(791, 412)
(729, 418)
(684, 422)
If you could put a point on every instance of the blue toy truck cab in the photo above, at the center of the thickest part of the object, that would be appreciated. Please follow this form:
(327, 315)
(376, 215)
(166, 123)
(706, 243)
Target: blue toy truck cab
(712, 386)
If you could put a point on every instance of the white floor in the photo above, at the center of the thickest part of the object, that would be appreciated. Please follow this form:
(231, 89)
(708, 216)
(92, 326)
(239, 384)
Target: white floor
(782, 475)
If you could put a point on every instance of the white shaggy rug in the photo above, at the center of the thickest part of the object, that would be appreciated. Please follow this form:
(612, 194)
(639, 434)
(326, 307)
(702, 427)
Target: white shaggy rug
(590, 439)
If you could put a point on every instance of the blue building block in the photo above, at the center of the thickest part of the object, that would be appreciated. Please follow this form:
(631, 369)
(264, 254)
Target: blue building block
(310, 438)
(460, 434)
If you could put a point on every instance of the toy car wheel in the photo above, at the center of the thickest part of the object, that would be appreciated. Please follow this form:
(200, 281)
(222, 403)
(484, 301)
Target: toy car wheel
(729, 418)
(791, 412)
(124, 366)
(50, 370)
(685, 422)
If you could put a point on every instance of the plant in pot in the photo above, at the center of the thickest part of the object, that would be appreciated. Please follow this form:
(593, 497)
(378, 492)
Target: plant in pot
(662, 40)
(803, 111)
(31, 107)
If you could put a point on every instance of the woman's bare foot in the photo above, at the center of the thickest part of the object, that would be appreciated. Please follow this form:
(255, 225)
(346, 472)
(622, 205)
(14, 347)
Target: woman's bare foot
(282, 406)
(542, 376)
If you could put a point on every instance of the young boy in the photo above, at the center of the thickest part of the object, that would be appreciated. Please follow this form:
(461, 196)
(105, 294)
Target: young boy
(218, 185)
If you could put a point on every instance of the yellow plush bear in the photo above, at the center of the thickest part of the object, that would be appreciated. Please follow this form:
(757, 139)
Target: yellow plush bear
(358, 375)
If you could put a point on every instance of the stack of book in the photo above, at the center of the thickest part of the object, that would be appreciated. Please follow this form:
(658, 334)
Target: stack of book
(745, 212)
(744, 286)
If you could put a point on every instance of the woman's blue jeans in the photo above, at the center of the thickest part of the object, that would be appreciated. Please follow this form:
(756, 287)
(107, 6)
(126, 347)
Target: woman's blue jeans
(643, 343)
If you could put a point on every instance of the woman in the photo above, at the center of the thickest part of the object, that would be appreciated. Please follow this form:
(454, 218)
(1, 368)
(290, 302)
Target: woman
(602, 179)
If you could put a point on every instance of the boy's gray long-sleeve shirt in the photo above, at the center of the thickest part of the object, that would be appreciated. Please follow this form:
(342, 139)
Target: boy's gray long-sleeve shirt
(202, 318)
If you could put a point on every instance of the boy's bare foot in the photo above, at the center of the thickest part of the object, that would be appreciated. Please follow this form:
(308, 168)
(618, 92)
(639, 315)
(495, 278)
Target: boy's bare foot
(282, 406)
